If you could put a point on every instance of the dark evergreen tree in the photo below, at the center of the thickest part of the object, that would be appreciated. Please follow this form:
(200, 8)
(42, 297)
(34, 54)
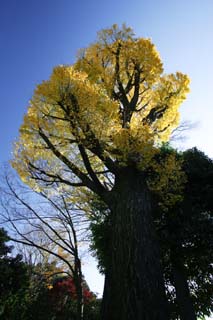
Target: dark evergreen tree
(14, 280)
(186, 234)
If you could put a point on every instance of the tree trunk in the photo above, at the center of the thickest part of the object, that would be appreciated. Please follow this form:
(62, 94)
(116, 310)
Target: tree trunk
(80, 303)
(184, 301)
(135, 279)
(106, 301)
(78, 280)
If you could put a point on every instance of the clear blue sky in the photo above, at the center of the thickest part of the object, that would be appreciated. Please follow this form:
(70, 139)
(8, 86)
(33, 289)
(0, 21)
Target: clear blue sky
(36, 35)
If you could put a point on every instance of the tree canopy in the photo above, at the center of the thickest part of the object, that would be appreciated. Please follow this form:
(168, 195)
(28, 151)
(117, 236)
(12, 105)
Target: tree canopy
(112, 107)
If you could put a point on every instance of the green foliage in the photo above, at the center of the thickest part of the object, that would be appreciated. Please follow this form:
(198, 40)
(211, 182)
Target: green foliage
(100, 232)
(197, 228)
(92, 310)
(14, 280)
(100, 242)
(4, 249)
(188, 229)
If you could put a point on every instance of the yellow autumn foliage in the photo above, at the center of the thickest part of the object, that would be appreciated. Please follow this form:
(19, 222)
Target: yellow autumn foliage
(114, 101)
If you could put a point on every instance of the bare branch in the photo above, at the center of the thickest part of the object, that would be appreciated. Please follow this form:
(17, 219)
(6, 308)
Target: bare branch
(177, 133)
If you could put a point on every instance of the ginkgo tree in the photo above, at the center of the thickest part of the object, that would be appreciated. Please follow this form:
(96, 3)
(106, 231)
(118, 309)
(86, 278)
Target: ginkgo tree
(96, 127)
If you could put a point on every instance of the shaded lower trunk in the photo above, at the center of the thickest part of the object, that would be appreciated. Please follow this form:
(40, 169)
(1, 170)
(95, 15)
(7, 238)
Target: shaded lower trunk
(134, 288)
(184, 301)
(106, 301)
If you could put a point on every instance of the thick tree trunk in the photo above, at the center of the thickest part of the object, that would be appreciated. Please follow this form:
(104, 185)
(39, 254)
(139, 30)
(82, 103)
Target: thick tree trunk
(106, 301)
(184, 301)
(134, 288)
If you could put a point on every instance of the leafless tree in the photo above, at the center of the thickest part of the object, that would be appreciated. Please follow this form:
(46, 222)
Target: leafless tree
(51, 224)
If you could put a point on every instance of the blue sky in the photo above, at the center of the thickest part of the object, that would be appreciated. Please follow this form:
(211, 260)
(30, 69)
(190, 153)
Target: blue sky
(36, 35)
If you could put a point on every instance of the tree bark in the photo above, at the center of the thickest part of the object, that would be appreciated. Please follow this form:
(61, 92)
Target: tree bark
(134, 288)
(184, 301)
(106, 301)
(78, 281)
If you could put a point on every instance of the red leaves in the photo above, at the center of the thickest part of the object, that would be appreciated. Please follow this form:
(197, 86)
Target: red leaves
(66, 286)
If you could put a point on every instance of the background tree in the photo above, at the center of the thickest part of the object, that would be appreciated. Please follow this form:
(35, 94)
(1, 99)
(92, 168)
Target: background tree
(39, 292)
(49, 225)
(14, 279)
(186, 237)
(97, 125)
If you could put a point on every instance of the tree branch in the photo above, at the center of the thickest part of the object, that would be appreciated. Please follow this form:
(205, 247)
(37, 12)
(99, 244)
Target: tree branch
(82, 176)
(89, 167)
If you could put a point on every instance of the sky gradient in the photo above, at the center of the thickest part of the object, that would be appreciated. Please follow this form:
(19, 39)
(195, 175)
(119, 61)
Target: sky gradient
(36, 35)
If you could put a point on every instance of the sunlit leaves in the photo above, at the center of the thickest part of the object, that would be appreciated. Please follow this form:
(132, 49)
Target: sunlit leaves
(168, 180)
(113, 107)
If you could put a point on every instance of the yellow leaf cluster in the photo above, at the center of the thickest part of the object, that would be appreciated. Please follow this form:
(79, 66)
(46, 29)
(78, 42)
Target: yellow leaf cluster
(168, 181)
(86, 103)
(99, 62)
